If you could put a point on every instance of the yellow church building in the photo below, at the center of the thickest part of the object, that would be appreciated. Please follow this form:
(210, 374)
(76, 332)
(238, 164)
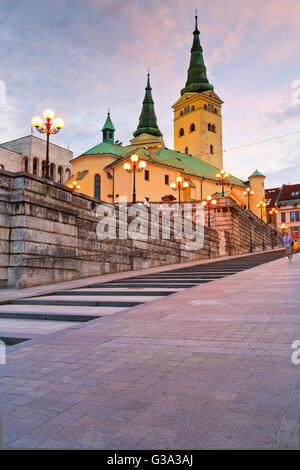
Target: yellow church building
(197, 156)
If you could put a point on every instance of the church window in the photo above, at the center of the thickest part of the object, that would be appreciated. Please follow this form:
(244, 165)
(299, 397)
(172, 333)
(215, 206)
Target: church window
(192, 127)
(166, 179)
(205, 106)
(193, 108)
(209, 127)
(97, 187)
(216, 110)
(181, 132)
(181, 113)
(213, 128)
(146, 175)
(186, 150)
(211, 149)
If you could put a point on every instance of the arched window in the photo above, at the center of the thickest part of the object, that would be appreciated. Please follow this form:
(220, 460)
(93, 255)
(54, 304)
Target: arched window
(209, 126)
(97, 187)
(43, 168)
(186, 150)
(181, 113)
(68, 174)
(192, 127)
(181, 132)
(193, 108)
(52, 171)
(25, 164)
(213, 128)
(35, 166)
(205, 106)
(211, 149)
(60, 174)
(215, 110)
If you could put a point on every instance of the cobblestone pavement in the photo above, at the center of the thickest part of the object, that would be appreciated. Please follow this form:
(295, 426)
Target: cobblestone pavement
(207, 367)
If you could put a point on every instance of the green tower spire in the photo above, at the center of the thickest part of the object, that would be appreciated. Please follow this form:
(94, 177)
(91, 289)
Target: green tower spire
(148, 121)
(196, 80)
(108, 130)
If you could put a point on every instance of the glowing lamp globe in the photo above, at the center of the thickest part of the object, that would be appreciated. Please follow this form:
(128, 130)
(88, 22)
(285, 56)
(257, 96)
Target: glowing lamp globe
(49, 114)
(209, 198)
(179, 179)
(214, 201)
(142, 164)
(218, 175)
(36, 121)
(172, 185)
(134, 158)
(185, 184)
(58, 123)
(203, 203)
(126, 166)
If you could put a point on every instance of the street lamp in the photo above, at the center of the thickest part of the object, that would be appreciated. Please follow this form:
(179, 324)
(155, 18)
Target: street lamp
(273, 212)
(222, 175)
(136, 166)
(283, 227)
(179, 186)
(261, 204)
(209, 201)
(248, 192)
(48, 128)
(74, 185)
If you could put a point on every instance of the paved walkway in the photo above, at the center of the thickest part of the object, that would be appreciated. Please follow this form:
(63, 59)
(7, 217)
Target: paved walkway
(208, 367)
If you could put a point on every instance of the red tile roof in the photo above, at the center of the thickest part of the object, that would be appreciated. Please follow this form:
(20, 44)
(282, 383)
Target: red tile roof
(285, 193)
(290, 192)
(271, 196)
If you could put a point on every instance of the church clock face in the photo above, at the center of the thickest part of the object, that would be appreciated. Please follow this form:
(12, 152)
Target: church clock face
(210, 107)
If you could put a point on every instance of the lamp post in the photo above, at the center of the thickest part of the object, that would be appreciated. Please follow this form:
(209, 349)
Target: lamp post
(74, 185)
(223, 176)
(48, 128)
(283, 227)
(248, 192)
(209, 201)
(261, 204)
(179, 186)
(136, 166)
(273, 212)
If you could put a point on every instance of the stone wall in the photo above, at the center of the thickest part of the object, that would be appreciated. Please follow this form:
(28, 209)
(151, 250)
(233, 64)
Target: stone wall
(240, 231)
(48, 234)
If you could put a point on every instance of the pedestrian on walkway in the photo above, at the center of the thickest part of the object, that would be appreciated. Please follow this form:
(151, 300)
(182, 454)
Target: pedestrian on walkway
(288, 245)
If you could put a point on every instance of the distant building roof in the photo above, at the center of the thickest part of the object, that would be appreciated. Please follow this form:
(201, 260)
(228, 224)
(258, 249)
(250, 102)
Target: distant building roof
(271, 196)
(290, 192)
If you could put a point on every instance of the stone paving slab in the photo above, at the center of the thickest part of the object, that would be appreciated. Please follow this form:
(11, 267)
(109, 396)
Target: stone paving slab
(209, 367)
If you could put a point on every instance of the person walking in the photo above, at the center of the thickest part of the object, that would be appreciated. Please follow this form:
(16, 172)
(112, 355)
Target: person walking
(288, 245)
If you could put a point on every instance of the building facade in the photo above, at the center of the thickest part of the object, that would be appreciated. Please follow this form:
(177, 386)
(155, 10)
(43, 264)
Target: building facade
(197, 156)
(28, 154)
(286, 200)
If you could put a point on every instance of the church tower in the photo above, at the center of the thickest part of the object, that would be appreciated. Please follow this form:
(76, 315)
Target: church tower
(108, 131)
(148, 134)
(197, 114)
